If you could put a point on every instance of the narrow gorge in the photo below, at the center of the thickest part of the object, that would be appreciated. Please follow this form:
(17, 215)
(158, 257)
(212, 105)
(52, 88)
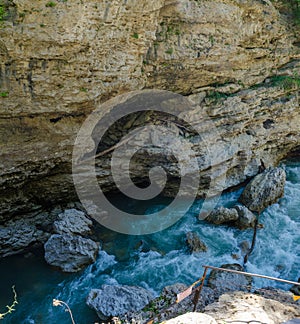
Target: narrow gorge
(234, 68)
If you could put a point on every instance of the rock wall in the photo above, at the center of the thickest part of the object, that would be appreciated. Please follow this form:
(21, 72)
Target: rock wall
(59, 59)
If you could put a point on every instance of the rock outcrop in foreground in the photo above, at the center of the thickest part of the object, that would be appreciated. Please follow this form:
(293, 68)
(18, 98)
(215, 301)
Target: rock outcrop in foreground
(117, 300)
(241, 308)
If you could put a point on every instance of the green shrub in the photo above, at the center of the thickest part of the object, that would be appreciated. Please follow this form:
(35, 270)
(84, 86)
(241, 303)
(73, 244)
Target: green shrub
(4, 94)
(169, 51)
(135, 35)
(3, 12)
(51, 4)
(285, 81)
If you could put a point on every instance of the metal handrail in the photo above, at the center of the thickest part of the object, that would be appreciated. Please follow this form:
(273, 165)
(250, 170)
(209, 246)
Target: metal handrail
(198, 289)
(252, 275)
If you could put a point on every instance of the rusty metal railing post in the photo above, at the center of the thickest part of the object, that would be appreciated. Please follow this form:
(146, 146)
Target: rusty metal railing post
(198, 290)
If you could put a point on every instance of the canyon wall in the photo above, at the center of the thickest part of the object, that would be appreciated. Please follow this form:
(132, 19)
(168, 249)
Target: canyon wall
(237, 61)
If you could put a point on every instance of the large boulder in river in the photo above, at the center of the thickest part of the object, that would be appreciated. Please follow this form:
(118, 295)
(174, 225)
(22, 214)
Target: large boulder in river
(118, 300)
(72, 221)
(221, 281)
(246, 217)
(264, 190)
(70, 252)
(222, 215)
(194, 243)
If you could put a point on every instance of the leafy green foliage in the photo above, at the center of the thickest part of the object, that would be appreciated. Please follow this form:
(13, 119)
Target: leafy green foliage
(51, 4)
(4, 94)
(216, 95)
(3, 12)
(169, 51)
(285, 81)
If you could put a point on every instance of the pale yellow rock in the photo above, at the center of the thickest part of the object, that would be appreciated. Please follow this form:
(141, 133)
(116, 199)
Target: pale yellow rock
(240, 308)
(57, 63)
(191, 318)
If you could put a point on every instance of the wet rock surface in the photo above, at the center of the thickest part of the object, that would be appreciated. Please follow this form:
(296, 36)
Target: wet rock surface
(46, 96)
(222, 215)
(194, 243)
(246, 218)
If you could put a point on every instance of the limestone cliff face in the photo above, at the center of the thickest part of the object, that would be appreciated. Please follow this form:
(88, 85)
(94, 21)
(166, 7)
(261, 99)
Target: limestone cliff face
(59, 59)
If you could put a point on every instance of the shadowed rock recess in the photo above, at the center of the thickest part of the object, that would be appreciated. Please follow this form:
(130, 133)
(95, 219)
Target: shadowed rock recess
(238, 62)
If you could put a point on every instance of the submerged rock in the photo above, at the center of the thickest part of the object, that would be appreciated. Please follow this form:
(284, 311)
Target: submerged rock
(222, 215)
(221, 281)
(242, 307)
(70, 252)
(264, 190)
(194, 243)
(72, 221)
(118, 300)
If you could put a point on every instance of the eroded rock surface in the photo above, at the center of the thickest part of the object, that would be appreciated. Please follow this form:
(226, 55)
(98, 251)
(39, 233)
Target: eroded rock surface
(264, 190)
(51, 81)
(192, 318)
(194, 243)
(117, 300)
(165, 307)
(246, 217)
(70, 253)
(221, 281)
(222, 215)
(245, 307)
(72, 221)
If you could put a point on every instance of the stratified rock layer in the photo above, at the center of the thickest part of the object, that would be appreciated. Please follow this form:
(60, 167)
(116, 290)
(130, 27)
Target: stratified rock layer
(58, 63)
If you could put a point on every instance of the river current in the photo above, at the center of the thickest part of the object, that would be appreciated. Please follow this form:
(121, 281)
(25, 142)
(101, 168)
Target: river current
(156, 260)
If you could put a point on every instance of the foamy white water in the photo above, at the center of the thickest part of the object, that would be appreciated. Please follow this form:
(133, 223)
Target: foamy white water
(161, 259)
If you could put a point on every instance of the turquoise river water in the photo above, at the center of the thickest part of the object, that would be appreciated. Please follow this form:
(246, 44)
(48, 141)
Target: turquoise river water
(162, 259)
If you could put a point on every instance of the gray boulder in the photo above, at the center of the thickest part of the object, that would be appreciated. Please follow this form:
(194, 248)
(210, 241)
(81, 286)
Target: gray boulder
(264, 190)
(222, 215)
(118, 300)
(70, 252)
(194, 243)
(246, 217)
(165, 307)
(18, 235)
(221, 281)
(72, 221)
